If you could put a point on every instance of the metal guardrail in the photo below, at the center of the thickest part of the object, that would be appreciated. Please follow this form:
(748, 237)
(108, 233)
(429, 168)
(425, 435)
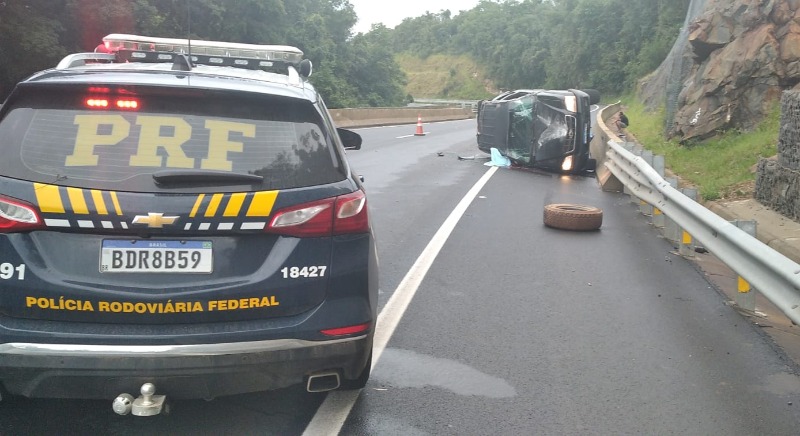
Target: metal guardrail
(773, 274)
(443, 102)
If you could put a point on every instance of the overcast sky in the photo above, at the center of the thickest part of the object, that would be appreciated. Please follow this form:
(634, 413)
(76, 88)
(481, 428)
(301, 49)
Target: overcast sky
(391, 13)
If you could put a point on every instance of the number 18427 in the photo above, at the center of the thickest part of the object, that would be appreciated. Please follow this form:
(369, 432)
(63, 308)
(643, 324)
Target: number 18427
(304, 272)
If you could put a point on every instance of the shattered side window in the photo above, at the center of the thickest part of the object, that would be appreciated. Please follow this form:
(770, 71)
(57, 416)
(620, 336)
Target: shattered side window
(521, 132)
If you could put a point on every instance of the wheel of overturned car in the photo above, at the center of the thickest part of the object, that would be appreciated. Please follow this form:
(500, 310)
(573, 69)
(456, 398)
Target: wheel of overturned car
(573, 217)
(594, 95)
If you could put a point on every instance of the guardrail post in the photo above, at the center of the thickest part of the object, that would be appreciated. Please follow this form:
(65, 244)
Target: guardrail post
(671, 231)
(628, 146)
(645, 208)
(659, 164)
(745, 295)
(686, 249)
(687, 245)
(637, 151)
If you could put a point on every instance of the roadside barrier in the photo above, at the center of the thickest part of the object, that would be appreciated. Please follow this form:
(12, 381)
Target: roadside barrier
(366, 117)
(776, 276)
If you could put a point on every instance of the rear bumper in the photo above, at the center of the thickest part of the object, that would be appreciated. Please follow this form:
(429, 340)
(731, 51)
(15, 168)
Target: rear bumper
(178, 371)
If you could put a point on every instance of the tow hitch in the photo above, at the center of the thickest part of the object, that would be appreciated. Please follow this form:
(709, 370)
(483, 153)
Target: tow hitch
(148, 404)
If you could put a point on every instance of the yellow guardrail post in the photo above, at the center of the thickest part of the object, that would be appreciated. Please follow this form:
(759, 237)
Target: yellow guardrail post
(671, 230)
(659, 164)
(644, 207)
(686, 248)
(688, 244)
(745, 295)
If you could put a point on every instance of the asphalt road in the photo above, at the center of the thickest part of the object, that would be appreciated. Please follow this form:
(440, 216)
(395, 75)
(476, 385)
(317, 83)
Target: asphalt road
(516, 328)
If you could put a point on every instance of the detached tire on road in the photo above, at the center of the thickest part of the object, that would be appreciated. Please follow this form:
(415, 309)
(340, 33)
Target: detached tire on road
(573, 217)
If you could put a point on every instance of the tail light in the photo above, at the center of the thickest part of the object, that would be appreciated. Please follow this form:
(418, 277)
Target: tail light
(128, 104)
(18, 216)
(345, 331)
(97, 103)
(346, 214)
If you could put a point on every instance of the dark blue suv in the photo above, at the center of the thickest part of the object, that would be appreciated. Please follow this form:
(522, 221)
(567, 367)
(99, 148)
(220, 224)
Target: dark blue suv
(180, 215)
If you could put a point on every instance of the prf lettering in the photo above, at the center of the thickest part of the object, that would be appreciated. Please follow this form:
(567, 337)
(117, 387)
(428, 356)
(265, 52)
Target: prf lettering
(109, 130)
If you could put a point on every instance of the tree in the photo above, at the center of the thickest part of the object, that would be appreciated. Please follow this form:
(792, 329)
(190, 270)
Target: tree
(349, 71)
(553, 43)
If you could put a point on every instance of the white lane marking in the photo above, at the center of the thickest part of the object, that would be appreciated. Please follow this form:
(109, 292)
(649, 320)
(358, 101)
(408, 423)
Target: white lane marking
(404, 137)
(333, 412)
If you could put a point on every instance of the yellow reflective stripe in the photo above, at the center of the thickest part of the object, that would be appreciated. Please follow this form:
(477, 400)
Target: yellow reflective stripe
(115, 200)
(49, 198)
(687, 238)
(197, 205)
(77, 201)
(262, 204)
(214, 205)
(99, 203)
(744, 286)
(235, 205)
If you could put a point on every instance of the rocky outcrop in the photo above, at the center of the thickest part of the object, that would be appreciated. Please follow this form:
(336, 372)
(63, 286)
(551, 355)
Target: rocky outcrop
(737, 56)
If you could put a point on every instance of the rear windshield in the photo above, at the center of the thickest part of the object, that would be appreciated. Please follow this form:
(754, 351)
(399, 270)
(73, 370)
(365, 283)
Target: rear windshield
(72, 138)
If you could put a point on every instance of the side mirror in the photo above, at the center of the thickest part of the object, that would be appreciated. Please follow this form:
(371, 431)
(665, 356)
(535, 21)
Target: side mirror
(350, 139)
(306, 68)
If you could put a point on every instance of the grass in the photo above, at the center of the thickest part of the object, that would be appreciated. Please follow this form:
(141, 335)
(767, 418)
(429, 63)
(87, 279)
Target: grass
(722, 167)
(445, 76)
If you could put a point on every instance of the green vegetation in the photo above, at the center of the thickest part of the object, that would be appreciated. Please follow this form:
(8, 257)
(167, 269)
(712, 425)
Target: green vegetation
(721, 168)
(601, 44)
(445, 76)
(348, 70)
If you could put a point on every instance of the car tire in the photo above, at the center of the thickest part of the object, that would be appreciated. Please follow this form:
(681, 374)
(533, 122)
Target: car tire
(360, 381)
(573, 217)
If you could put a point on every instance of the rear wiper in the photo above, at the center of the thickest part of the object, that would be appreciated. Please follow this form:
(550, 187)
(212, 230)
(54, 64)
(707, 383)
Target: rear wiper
(172, 177)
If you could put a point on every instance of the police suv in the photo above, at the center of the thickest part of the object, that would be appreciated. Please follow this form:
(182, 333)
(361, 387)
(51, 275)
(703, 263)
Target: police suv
(178, 218)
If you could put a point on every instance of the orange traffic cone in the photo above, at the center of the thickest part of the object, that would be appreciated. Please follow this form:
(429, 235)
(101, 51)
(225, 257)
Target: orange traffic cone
(420, 132)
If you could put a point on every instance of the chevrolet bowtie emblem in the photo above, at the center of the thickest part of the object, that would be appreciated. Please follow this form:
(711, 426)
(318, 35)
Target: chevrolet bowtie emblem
(155, 220)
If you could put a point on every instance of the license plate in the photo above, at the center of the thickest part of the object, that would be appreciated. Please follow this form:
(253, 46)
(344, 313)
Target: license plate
(138, 256)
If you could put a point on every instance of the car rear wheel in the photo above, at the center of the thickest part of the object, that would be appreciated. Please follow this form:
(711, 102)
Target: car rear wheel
(573, 217)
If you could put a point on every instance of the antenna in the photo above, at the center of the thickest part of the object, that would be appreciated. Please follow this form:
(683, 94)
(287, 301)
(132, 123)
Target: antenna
(189, 27)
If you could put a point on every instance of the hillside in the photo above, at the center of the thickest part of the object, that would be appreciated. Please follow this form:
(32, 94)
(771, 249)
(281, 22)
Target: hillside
(445, 76)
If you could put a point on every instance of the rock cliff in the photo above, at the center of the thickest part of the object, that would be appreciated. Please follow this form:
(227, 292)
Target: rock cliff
(731, 64)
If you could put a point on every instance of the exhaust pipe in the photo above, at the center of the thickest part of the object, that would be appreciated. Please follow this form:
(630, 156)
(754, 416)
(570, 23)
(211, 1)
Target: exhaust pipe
(323, 382)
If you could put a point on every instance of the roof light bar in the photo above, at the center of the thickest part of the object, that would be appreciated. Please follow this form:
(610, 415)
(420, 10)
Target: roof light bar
(283, 53)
